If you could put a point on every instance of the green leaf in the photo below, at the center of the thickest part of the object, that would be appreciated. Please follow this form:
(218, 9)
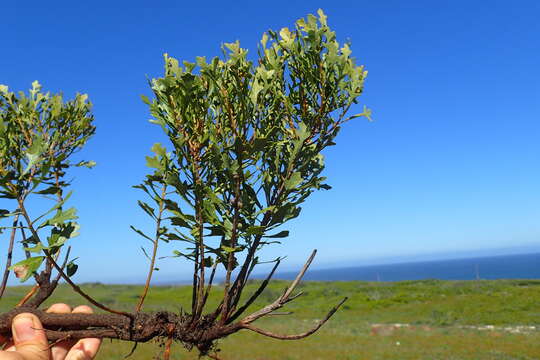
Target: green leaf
(141, 233)
(256, 230)
(322, 16)
(179, 221)
(147, 209)
(36, 249)
(51, 190)
(24, 269)
(293, 181)
(59, 235)
(145, 99)
(60, 217)
(56, 206)
(208, 261)
(158, 149)
(228, 249)
(71, 268)
(88, 164)
(34, 152)
(281, 234)
(153, 162)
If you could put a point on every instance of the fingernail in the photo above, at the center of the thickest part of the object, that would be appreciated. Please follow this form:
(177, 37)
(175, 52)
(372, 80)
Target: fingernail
(23, 328)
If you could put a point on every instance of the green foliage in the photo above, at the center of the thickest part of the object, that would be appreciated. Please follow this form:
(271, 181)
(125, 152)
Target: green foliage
(39, 132)
(246, 139)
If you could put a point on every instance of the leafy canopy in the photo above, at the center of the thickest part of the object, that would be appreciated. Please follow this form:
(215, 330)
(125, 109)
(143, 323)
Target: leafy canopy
(39, 132)
(246, 138)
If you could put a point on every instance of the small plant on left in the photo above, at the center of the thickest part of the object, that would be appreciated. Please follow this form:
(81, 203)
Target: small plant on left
(39, 133)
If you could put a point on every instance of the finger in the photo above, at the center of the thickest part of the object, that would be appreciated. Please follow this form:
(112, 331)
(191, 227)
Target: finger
(10, 355)
(59, 308)
(61, 348)
(29, 337)
(84, 349)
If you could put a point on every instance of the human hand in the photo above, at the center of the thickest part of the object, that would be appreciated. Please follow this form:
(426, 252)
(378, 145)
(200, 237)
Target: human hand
(30, 343)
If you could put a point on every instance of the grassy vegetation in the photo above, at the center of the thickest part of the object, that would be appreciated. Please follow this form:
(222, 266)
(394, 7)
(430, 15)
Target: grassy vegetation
(436, 310)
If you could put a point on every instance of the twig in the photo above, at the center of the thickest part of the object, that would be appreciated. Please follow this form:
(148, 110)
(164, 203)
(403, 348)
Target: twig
(255, 295)
(66, 258)
(9, 256)
(295, 336)
(210, 281)
(26, 252)
(28, 295)
(283, 299)
(241, 278)
(154, 250)
(299, 276)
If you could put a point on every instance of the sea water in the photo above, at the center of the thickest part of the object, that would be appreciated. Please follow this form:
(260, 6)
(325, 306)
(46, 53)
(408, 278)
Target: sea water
(526, 266)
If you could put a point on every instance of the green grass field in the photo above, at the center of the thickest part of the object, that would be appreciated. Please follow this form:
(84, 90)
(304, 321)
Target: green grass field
(442, 317)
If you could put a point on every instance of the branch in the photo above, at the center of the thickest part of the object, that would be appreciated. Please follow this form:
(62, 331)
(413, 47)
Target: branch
(241, 278)
(255, 295)
(209, 287)
(27, 297)
(283, 299)
(140, 327)
(296, 336)
(66, 258)
(43, 288)
(78, 290)
(226, 294)
(9, 256)
(143, 326)
(154, 250)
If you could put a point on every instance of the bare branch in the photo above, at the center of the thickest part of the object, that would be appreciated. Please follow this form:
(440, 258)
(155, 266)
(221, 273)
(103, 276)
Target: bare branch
(241, 278)
(280, 313)
(295, 336)
(299, 276)
(9, 256)
(283, 299)
(255, 295)
(27, 297)
(209, 287)
(66, 258)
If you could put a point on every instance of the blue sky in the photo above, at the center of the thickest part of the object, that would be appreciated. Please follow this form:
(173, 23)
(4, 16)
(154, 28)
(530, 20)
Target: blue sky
(449, 164)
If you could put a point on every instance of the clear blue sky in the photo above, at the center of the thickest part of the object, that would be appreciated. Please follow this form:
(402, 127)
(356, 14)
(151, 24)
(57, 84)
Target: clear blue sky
(449, 164)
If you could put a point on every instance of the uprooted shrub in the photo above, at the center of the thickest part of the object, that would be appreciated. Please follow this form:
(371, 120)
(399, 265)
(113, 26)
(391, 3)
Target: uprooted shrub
(244, 153)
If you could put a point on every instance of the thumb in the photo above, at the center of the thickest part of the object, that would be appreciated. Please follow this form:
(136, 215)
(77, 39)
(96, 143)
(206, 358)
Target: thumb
(29, 337)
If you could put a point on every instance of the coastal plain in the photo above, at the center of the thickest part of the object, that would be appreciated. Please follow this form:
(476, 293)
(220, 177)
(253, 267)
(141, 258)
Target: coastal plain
(423, 319)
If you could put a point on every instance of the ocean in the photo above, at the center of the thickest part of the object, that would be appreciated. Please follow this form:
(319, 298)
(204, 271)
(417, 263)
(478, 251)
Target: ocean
(526, 266)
